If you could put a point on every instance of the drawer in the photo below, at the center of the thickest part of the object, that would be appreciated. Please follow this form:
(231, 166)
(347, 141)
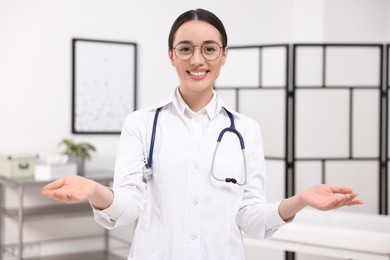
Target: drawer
(18, 165)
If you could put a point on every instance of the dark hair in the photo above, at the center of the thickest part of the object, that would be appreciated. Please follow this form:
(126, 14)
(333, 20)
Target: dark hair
(198, 15)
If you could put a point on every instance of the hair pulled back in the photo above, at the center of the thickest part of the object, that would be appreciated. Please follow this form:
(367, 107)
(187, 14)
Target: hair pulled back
(198, 15)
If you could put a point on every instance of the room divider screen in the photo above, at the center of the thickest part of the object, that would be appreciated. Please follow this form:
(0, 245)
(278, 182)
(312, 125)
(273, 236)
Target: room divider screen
(323, 110)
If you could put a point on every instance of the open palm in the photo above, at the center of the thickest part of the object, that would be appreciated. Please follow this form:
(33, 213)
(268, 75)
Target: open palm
(71, 189)
(327, 197)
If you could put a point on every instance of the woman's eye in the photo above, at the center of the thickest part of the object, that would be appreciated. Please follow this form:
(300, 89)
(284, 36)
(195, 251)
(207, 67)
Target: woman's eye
(209, 49)
(185, 49)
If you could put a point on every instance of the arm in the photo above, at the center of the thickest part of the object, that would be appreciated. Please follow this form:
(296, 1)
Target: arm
(322, 197)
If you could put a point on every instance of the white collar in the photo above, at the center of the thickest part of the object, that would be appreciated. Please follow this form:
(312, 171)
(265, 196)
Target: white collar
(219, 104)
(210, 109)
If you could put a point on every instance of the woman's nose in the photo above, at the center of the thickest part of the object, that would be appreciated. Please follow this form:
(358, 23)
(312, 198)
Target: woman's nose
(197, 58)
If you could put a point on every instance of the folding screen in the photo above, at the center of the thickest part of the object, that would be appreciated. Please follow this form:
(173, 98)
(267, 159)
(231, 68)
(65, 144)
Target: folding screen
(321, 115)
(323, 111)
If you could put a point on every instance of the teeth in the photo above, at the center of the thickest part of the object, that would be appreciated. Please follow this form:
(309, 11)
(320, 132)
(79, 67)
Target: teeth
(197, 73)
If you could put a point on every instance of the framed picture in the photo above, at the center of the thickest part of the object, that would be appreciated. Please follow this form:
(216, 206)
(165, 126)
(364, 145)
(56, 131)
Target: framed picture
(104, 79)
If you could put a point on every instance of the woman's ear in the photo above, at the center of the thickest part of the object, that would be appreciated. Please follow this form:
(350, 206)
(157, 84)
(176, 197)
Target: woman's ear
(170, 55)
(224, 55)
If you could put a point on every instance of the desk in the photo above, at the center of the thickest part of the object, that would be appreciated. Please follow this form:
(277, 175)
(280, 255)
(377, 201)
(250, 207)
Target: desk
(21, 214)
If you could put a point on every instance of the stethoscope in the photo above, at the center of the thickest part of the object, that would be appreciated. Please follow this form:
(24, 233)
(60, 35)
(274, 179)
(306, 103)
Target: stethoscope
(147, 169)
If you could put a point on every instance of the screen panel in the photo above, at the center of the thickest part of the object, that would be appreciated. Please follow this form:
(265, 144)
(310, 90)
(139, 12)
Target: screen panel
(365, 128)
(307, 174)
(267, 107)
(229, 96)
(275, 179)
(273, 66)
(353, 66)
(361, 176)
(322, 123)
(309, 66)
(241, 68)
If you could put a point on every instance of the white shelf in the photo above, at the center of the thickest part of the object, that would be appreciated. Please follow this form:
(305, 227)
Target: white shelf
(42, 212)
(22, 215)
(83, 256)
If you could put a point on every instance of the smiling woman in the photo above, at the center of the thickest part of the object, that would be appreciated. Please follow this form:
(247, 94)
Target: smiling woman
(188, 205)
(197, 68)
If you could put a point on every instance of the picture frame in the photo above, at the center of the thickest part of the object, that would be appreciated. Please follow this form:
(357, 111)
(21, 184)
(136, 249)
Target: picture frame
(104, 85)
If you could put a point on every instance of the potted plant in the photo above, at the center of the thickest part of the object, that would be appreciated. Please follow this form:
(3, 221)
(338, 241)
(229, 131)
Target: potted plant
(77, 153)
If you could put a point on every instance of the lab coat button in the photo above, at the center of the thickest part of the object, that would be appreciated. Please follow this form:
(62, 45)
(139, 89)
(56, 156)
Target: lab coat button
(195, 202)
(194, 236)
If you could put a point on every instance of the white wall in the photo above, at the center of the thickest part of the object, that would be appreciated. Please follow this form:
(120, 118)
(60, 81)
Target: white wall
(35, 52)
(308, 21)
(356, 21)
(35, 63)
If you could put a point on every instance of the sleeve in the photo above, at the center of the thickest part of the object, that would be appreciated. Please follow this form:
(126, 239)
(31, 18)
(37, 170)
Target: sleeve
(257, 217)
(128, 187)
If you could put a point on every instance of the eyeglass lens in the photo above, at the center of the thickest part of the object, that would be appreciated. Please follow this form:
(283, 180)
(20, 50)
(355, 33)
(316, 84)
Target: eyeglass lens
(210, 51)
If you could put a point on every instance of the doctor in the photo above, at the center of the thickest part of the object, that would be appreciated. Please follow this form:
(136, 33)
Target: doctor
(191, 200)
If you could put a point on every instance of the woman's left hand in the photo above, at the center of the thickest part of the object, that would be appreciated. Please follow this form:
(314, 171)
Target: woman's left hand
(327, 197)
(322, 197)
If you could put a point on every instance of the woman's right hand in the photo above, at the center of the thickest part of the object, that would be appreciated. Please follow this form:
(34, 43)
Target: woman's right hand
(70, 189)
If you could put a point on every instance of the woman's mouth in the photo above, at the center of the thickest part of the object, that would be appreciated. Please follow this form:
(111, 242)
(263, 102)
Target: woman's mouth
(197, 75)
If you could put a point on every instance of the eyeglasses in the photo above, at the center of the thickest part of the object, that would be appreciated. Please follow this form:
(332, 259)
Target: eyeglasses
(210, 51)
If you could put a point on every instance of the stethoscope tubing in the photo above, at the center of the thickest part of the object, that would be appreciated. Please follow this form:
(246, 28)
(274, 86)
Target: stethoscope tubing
(150, 159)
(147, 170)
(232, 180)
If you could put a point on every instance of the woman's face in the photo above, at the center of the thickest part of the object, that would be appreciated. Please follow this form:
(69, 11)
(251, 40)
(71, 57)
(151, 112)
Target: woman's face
(197, 74)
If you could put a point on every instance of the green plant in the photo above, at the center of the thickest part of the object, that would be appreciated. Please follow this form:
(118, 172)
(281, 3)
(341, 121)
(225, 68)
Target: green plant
(77, 149)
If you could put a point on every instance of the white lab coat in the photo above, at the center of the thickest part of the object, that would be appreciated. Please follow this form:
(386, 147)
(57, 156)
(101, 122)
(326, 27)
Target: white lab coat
(183, 213)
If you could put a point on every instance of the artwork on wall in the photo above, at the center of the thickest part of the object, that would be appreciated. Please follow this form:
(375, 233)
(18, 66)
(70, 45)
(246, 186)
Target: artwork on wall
(103, 85)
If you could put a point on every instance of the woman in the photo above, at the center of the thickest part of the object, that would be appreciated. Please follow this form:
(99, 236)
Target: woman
(196, 203)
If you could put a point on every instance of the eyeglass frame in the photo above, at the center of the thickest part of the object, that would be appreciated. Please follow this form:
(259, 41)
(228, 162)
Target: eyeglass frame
(193, 46)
